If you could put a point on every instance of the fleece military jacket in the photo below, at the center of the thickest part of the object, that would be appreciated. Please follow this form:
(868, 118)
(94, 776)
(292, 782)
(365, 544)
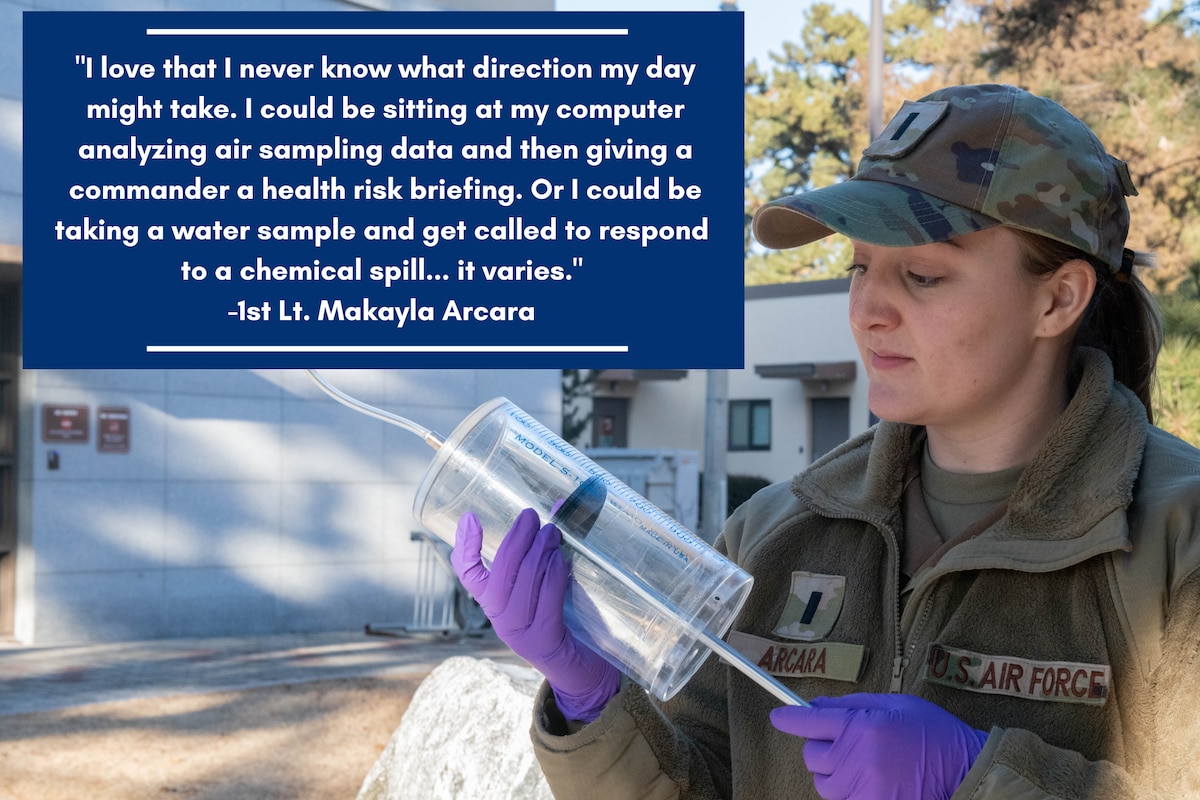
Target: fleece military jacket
(1069, 628)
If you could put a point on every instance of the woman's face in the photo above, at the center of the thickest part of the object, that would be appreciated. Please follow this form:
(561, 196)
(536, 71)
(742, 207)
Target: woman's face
(947, 332)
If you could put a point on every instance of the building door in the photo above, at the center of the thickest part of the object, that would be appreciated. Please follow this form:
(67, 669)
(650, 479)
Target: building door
(610, 422)
(830, 424)
(10, 327)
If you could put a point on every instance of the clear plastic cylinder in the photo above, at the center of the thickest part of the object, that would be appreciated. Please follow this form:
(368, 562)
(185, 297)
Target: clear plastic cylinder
(646, 590)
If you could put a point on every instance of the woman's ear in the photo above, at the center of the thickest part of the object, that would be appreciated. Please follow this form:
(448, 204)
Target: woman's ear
(1067, 292)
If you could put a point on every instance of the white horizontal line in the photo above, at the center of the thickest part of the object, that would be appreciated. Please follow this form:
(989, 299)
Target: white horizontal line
(350, 348)
(387, 31)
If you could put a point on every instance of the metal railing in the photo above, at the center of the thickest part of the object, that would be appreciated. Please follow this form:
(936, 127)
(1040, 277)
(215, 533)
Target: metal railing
(440, 603)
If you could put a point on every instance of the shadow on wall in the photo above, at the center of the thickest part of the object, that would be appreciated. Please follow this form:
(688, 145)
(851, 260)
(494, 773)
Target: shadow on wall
(249, 502)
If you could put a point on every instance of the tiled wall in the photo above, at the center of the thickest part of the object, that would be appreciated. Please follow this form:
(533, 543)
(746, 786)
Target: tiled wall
(248, 502)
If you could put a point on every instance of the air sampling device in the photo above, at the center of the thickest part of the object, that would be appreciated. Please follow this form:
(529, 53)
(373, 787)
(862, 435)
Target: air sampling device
(647, 594)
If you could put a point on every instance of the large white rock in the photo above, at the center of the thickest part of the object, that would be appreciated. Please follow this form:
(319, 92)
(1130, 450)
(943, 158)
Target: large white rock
(465, 735)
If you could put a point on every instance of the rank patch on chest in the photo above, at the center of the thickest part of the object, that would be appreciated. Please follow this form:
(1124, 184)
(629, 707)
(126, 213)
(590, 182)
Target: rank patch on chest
(1053, 681)
(812, 607)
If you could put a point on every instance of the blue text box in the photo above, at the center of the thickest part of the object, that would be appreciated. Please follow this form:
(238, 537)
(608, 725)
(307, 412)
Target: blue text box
(385, 190)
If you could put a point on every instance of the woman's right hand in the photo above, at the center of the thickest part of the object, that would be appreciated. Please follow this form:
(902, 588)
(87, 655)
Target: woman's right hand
(523, 596)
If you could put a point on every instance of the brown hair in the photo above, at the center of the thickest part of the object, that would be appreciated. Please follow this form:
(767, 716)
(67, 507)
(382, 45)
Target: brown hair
(1121, 319)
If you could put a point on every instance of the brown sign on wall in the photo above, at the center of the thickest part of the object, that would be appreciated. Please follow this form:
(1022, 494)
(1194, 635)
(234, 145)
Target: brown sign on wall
(63, 424)
(112, 429)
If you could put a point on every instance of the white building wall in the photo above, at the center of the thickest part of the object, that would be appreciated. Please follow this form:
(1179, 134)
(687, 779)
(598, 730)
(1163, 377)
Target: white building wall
(785, 324)
(790, 324)
(669, 413)
(248, 502)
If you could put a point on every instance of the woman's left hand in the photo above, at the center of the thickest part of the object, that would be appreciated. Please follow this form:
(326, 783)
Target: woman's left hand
(882, 746)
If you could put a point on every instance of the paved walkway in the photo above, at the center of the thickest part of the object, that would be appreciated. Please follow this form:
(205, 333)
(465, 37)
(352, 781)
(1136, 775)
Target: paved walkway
(49, 678)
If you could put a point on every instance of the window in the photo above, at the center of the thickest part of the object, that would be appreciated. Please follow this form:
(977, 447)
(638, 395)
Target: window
(750, 425)
(610, 422)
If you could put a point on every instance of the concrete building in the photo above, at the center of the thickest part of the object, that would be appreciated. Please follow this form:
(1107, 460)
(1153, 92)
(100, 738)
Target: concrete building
(801, 392)
(141, 504)
(164, 503)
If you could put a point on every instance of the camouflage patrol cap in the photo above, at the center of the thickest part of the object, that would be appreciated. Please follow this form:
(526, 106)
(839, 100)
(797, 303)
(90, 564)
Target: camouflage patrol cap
(963, 159)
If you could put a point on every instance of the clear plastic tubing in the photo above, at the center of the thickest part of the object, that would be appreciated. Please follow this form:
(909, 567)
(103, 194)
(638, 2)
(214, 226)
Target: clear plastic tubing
(647, 594)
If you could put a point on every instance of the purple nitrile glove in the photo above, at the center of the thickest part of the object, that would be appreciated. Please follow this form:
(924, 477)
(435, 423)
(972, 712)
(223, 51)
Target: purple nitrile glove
(882, 746)
(523, 596)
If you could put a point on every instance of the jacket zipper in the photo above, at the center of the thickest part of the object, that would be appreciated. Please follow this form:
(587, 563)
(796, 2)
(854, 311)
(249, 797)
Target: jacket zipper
(898, 660)
(903, 661)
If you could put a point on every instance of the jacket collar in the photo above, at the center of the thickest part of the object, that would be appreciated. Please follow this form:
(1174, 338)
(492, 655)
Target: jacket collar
(1068, 504)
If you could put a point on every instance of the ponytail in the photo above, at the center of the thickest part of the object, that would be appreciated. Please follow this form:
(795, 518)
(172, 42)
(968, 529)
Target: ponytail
(1122, 318)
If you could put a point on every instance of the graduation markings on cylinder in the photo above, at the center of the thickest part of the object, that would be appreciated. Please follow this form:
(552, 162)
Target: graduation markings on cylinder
(614, 487)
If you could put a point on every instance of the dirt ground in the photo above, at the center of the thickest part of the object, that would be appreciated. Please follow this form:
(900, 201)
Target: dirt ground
(294, 742)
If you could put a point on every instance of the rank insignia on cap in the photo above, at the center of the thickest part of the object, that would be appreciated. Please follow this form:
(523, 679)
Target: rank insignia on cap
(813, 606)
(907, 128)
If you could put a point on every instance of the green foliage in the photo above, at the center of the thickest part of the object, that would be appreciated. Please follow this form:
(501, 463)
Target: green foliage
(806, 110)
(806, 124)
(1177, 400)
(1144, 106)
(1181, 308)
(1181, 13)
(801, 116)
(1134, 80)
(1177, 404)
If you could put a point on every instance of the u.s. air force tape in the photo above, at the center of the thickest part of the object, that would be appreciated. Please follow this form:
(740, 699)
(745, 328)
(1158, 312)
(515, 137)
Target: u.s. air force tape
(1054, 681)
(834, 660)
